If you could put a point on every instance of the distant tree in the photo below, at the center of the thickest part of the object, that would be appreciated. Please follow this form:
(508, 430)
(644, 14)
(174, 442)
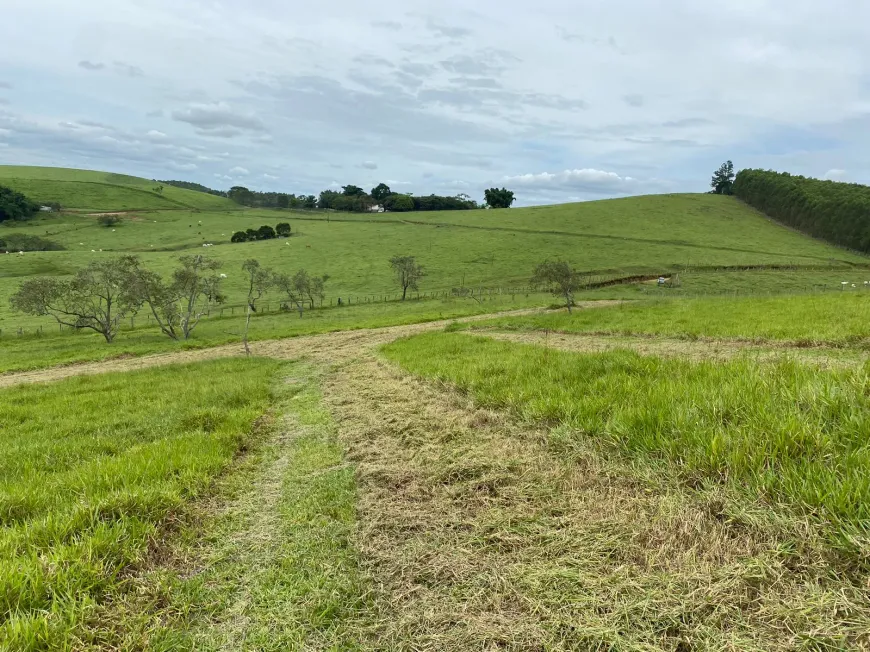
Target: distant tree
(15, 206)
(327, 199)
(499, 197)
(97, 298)
(381, 192)
(266, 232)
(252, 234)
(241, 195)
(108, 220)
(559, 278)
(316, 288)
(283, 201)
(408, 273)
(309, 202)
(196, 286)
(158, 190)
(294, 288)
(399, 203)
(723, 180)
(179, 304)
(239, 236)
(352, 191)
(282, 230)
(259, 281)
(25, 242)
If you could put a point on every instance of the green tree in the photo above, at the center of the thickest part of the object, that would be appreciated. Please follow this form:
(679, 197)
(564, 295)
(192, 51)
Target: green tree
(97, 297)
(283, 201)
(399, 203)
(352, 191)
(241, 195)
(381, 192)
(266, 232)
(283, 230)
(499, 197)
(259, 281)
(239, 236)
(559, 278)
(15, 206)
(408, 273)
(723, 179)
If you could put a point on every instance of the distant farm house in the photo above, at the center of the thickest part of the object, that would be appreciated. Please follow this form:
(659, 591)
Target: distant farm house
(377, 208)
(46, 209)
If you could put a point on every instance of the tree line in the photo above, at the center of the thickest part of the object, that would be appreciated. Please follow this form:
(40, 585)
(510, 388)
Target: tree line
(837, 212)
(355, 199)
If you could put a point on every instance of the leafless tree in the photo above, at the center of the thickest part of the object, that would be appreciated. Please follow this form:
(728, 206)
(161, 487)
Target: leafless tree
(408, 272)
(259, 282)
(97, 298)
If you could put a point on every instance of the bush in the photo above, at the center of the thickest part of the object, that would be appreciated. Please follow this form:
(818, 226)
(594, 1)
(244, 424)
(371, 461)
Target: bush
(283, 230)
(399, 203)
(239, 236)
(108, 220)
(266, 232)
(23, 242)
(15, 206)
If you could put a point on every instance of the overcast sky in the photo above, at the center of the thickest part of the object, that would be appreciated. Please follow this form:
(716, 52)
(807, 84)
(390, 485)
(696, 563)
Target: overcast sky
(560, 100)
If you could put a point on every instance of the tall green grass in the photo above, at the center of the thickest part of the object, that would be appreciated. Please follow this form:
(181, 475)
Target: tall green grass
(91, 468)
(792, 434)
(838, 318)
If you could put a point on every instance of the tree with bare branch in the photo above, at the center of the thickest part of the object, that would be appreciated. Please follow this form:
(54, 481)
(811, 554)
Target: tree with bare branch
(260, 280)
(408, 272)
(97, 298)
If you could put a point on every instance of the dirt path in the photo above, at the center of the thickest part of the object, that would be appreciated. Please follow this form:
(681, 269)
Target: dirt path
(338, 344)
(478, 532)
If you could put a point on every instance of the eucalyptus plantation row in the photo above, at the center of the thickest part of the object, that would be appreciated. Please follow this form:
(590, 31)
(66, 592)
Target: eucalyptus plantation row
(836, 212)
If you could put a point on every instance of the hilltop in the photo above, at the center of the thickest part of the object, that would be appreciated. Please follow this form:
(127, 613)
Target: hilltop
(104, 191)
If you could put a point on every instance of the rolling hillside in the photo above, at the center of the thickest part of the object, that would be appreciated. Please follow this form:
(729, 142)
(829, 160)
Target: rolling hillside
(707, 239)
(103, 191)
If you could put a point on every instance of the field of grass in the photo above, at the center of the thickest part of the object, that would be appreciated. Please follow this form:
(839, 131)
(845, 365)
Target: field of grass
(839, 319)
(642, 235)
(55, 348)
(102, 191)
(92, 468)
(794, 435)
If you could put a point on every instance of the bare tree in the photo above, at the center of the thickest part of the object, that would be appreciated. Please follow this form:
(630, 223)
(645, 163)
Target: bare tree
(315, 290)
(408, 272)
(259, 282)
(97, 298)
(300, 288)
(559, 278)
(179, 304)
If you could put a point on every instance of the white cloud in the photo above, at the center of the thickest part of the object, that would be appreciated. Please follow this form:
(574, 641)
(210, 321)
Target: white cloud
(156, 135)
(183, 167)
(835, 174)
(584, 179)
(369, 165)
(269, 176)
(239, 171)
(217, 116)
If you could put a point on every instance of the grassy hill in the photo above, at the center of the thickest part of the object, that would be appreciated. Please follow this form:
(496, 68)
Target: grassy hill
(703, 237)
(102, 191)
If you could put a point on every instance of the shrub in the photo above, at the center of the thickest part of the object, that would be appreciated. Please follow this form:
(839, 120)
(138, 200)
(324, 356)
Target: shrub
(15, 206)
(239, 236)
(283, 230)
(108, 220)
(24, 242)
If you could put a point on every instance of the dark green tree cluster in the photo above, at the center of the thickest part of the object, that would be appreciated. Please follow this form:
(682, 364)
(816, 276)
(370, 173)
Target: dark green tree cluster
(499, 197)
(265, 232)
(15, 206)
(254, 199)
(837, 212)
(722, 182)
(354, 199)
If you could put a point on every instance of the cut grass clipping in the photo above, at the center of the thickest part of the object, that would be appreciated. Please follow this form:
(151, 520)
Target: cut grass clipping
(89, 470)
(839, 319)
(793, 435)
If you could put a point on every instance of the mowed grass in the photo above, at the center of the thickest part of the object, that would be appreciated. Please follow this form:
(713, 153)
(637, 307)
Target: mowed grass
(103, 191)
(92, 468)
(839, 319)
(793, 436)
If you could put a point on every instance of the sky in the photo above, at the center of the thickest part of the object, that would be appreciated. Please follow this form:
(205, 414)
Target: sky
(558, 100)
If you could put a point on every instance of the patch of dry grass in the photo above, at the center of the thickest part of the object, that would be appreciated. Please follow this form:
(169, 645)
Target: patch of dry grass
(479, 533)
